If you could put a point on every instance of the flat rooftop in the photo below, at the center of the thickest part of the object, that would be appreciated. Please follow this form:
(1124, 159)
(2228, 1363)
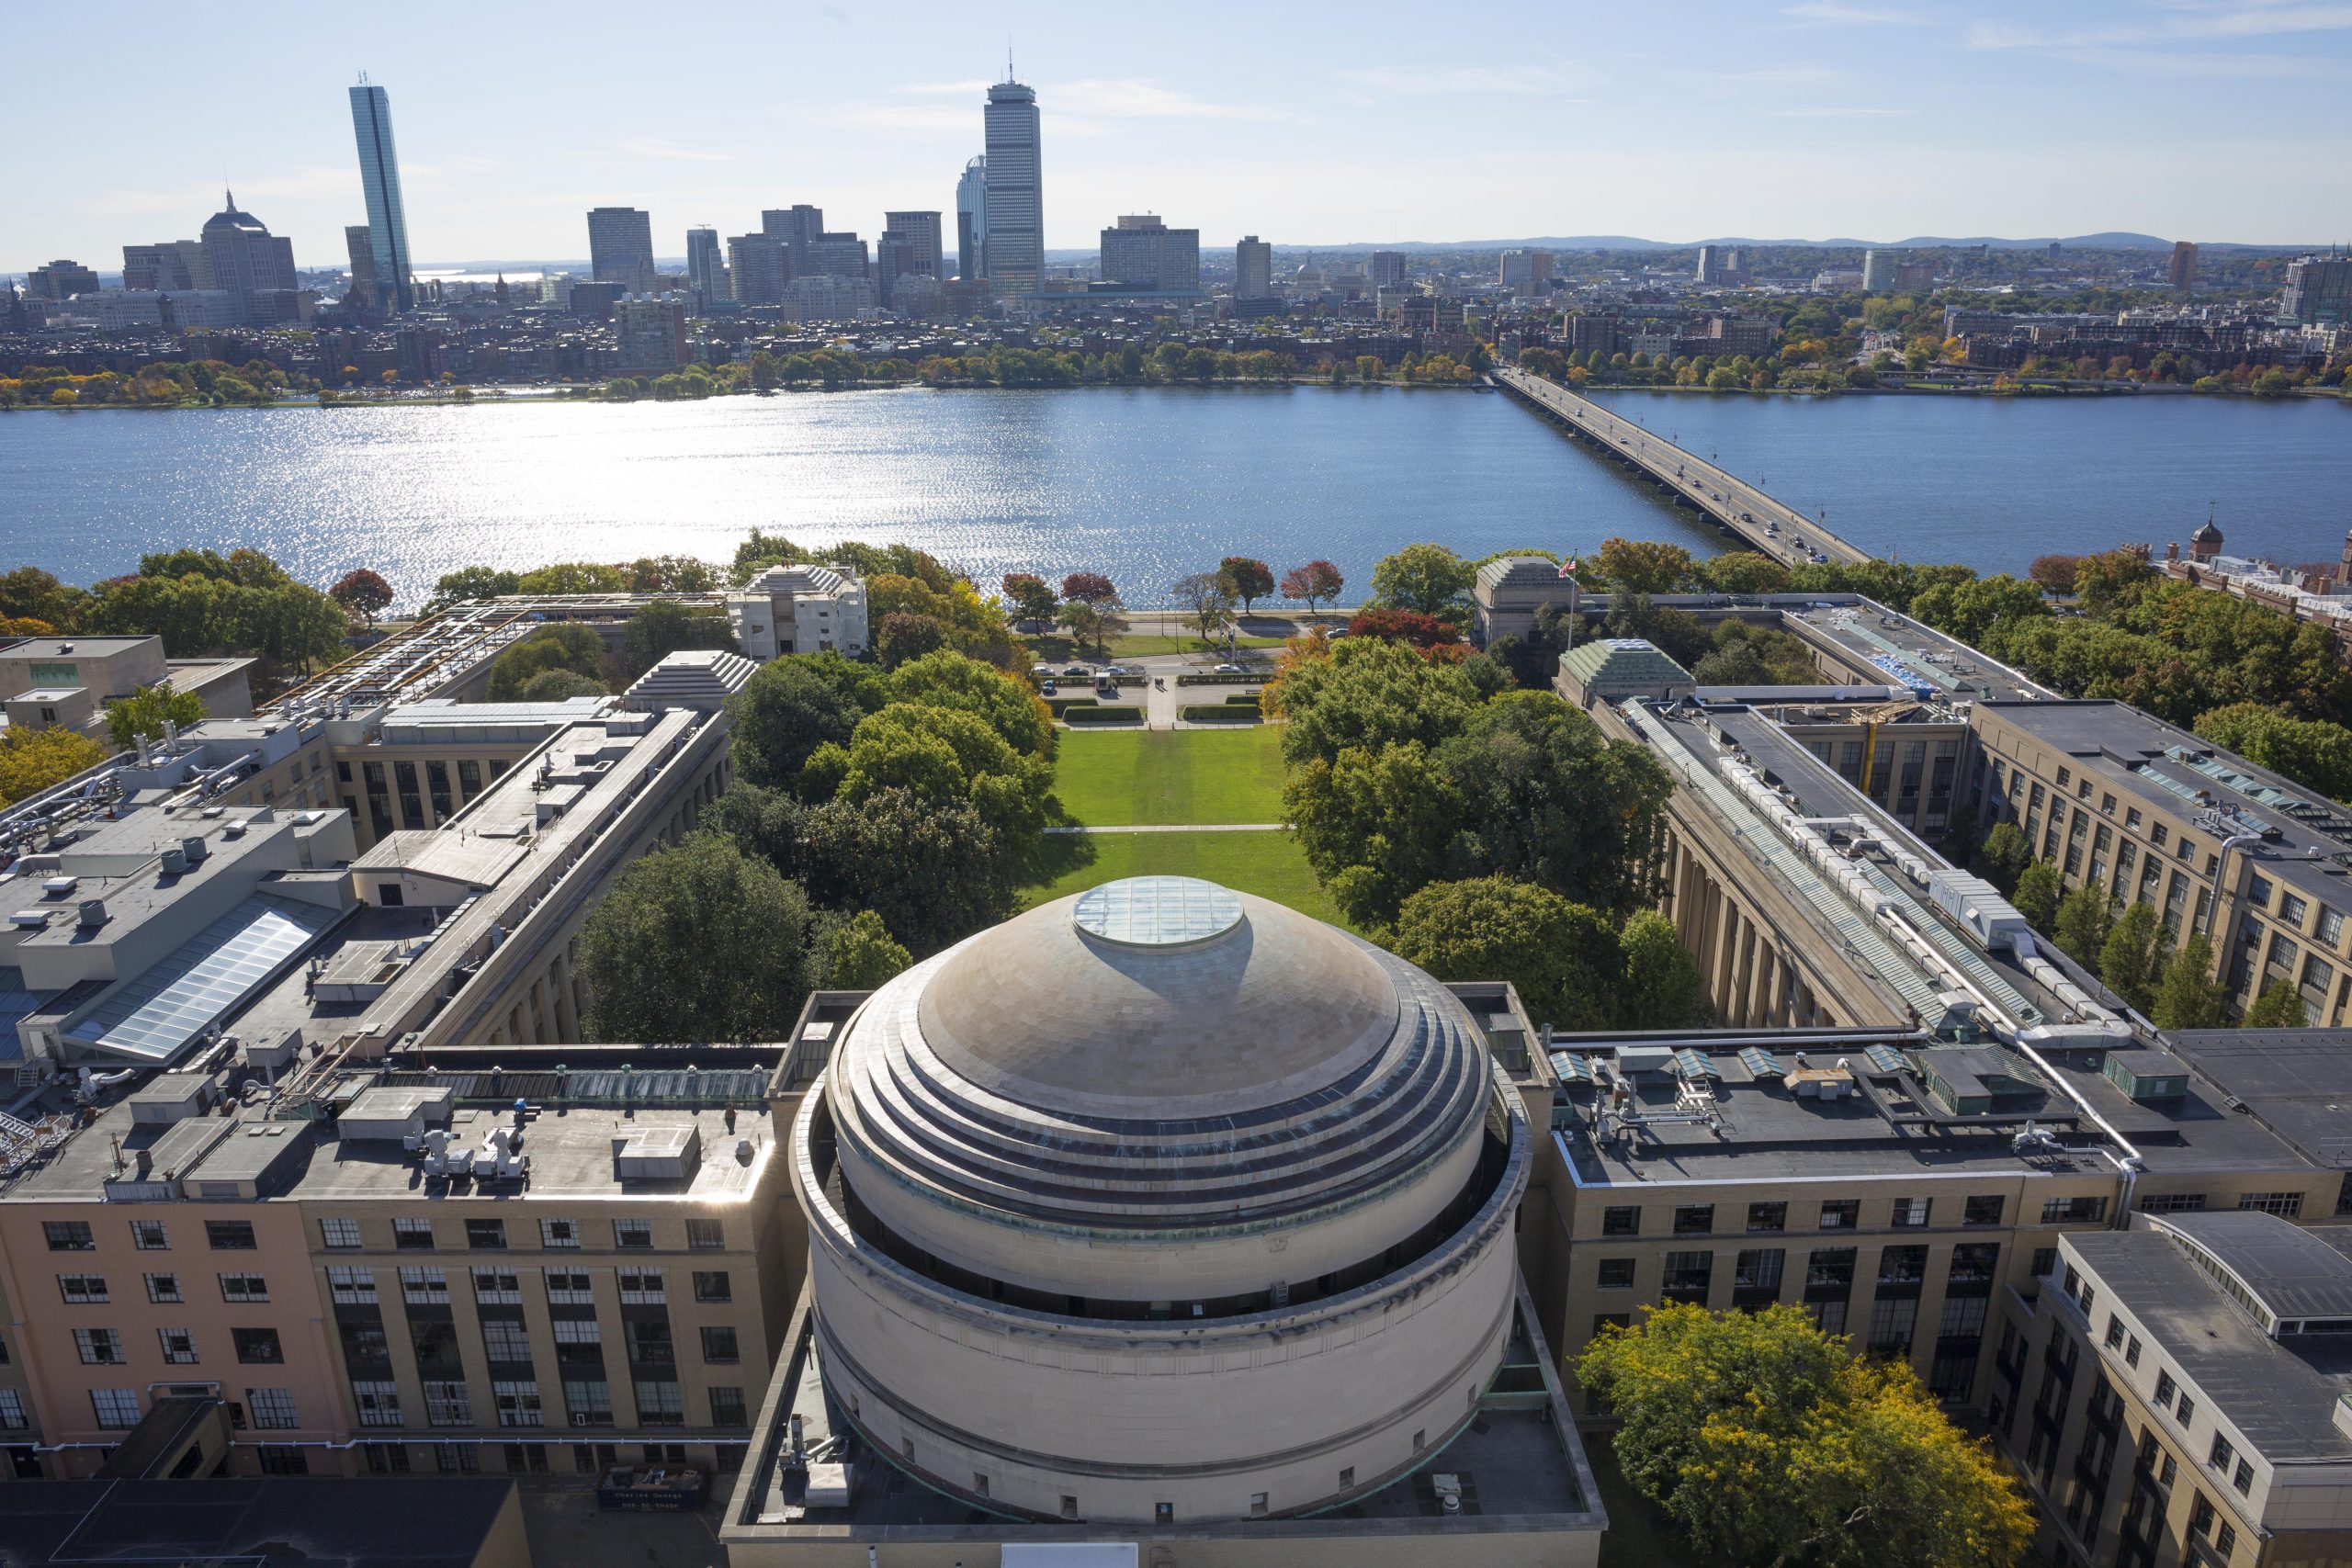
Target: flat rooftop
(289, 1522)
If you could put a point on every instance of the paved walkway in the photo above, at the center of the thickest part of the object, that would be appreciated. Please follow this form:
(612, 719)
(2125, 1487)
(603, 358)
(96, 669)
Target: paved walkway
(1176, 828)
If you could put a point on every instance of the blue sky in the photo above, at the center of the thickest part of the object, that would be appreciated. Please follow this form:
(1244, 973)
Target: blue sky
(1307, 124)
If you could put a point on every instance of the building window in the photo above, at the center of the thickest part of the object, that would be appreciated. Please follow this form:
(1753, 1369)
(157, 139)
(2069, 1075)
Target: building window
(352, 1287)
(2221, 1454)
(1070, 1507)
(446, 1403)
(519, 1403)
(455, 1459)
(713, 1285)
(1911, 1213)
(82, 1290)
(486, 1235)
(2257, 890)
(498, 1287)
(1902, 1266)
(68, 1236)
(2286, 1205)
(339, 1236)
(570, 1287)
(559, 1233)
(1891, 1320)
(1616, 1273)
(705, 1235)
(2165, 1389)
(2331, 927)
(1757, 1269)
(1688, 1275)
(2243, 1480)
(506, 1339)
(2173, 1203)
(117, 1409)
(149, 1235)
(378, 1402)
(1694, 1219)
(424, 1286)
(257, 1346)
(718, 1347)
(272, 1409)
(660, 1404)
(2186, 1411)
(243, 1290)
(99, 1347)
(2045, 1259)
(642, 1287)
(230, 1235)
(2225, 1541)
(590, 1402)
(2132, 1351)
(2073, 1211)
(179, 1346)
(2292, 910)
(1767, 1216)
(1624, 1220)
(633, 1234)
(1983, 1211)
(12, 1410)
(1975, 1263)
(412, 1233)
(1964, 1319)
(1841, 1214)
(1830, 1268)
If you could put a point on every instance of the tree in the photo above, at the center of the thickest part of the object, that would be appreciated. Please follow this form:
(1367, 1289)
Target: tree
(362, 593)
(2279, 1006)
(794, 704)
(559, 686)
(666, 626)
(1769, 1441)
(2003, 856)
(1427, 577)
(697, 943)
(31, 593)
(1663, 987)
(931, 870)
(1245, 580)
(571, 577)
(469, 583)
(2189, 998)
(904, 636)
(2037, 894)
(2313, 752)
(32, 760)
(1563, 957)
(1968, 610)
(1090, 586)
(1643, 565)
(1028, 598)
(858, 953)
(1005, 704)
(1743, 571)
(1206, 600)
(1402, 625)
(2082, 918)
(2131, 961)
(564, 645)
(147, 710)
(1319, 581)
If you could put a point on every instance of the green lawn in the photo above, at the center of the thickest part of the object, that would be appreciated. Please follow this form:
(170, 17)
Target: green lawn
(1270, 865)
(1173, 776)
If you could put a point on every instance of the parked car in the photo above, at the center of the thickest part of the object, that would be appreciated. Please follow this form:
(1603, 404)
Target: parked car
(1229, 669)
(1049, 689)
(1041, 670)
(1076, 672)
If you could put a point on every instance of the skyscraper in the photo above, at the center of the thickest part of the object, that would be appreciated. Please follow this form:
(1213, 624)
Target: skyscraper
(1711, 264)
(1253, 268)
(1016, 206)
(620, 248)
(972, 219)
(2183, 265)
(1878, 271)
(798, 227)
(380, 174)
(242, 256)
(365, 287)
(1146, 255)
(1387, 269)
(705, 266)
(919, 230)
(759, 266)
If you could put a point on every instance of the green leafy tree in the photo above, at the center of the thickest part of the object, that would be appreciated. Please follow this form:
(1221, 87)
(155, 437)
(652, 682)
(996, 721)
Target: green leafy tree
(1005, 704)
(2279, 1006)
(904, 636)
(1377, 824)
(2313, 752)
(362, 593)
(1563, 957)
(1742, 571)
(147, 710)
(667, 627)
(699, 943)
(1428, 577)
(1368, 695)
(565, 645)
(793, 705)
(560, 686)
(1771, 1442)
(1644, 566)
(2083, 920)
(859, 954)
(1207, 601)
(32, 760)
(765, 822)
(1663, 987)
(2189, 998)
(469, 583)
(574, 577)
(1245, 579)
(2132, 960)
(2037, 894)
(2003, 856)
(31, 593)
(932, 871)
(1028, 597)
(1970, 610)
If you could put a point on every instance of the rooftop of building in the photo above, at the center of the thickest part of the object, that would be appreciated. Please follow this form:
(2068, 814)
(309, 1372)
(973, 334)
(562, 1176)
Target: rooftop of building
(69, 646)
(290, 1522)
(1523, 571)
(2279, 1394)
(2295, 1082)
(2301, 838)
(697, 678)
(1622, 661)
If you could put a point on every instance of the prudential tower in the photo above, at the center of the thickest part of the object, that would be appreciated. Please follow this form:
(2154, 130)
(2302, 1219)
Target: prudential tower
(1016, 208)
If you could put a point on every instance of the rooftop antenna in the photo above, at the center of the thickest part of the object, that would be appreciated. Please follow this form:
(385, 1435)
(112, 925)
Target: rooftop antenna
(1008, 59)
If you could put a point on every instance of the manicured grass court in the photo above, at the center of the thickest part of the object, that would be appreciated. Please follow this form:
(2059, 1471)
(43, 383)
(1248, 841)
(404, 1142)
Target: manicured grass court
(1108, 778)
(1270, 865)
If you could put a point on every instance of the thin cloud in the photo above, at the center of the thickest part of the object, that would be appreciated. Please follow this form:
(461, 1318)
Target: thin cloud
(2197, 22)
(945, 89)
(1830, 112)
(1438, 81)
(669, 152)
(2204, 64)
(1145, 99)
(1830, 11)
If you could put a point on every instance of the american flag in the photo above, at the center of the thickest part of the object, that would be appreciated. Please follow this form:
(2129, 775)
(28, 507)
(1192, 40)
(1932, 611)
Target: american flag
(1569, 566)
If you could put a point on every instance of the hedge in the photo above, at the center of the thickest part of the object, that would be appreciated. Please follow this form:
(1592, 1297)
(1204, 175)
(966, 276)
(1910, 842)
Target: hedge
(1244, 680)
(1222, 714)
(1120, 713)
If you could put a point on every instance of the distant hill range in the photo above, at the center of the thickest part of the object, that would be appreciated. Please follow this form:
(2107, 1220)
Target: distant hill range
(2112, 240)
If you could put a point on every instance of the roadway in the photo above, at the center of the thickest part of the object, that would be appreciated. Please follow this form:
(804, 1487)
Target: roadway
(1772, 527)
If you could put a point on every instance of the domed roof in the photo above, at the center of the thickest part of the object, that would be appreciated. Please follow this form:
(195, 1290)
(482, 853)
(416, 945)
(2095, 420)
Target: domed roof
(2206, 534)
(1157, 1052)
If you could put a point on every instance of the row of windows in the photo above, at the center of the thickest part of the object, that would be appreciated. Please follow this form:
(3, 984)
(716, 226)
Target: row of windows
(147, 1236)
(1759, 1269)
(516, 1402)
(252, 1346)
(427, 1285)
(342, 1235)
(1846, 1213)
(91, 1290)
(268, 1409)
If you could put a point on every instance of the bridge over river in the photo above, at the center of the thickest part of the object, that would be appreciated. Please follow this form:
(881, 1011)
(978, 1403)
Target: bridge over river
(1762, 523)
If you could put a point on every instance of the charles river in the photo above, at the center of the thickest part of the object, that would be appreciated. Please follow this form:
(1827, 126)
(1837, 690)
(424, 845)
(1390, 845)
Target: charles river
(1146, 484)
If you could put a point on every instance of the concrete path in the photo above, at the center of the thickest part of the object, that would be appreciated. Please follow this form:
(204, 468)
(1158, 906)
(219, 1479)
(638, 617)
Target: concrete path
(1177, 828)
